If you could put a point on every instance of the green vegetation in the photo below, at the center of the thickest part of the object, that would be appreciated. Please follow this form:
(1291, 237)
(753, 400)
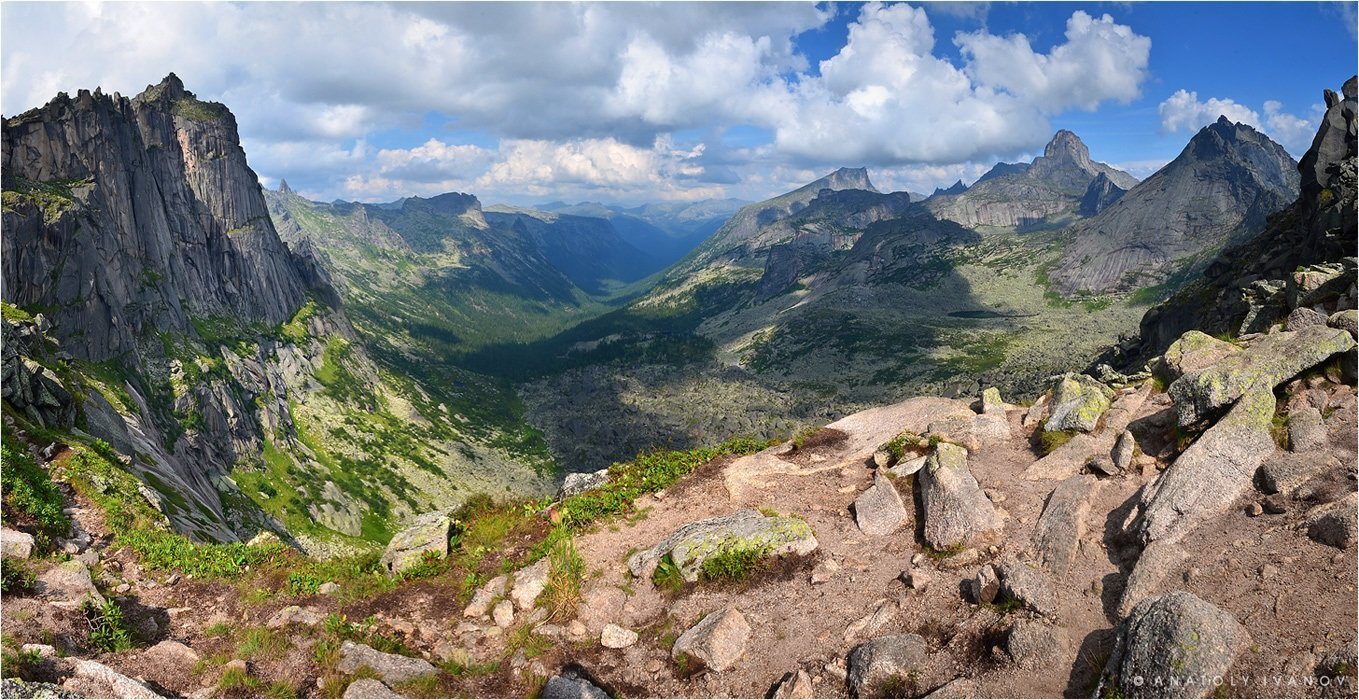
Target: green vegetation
(200, 111)
(29, 493)
(736, 564)
(10, 312)
(1050, 440)
(107, 629)
(259, 643)
(898, 445)
(566, 574)
(16, 576)
(236, 683)
(667, 576)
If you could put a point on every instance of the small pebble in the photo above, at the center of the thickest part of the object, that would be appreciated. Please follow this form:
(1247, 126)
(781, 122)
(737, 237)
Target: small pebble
(1254, 510)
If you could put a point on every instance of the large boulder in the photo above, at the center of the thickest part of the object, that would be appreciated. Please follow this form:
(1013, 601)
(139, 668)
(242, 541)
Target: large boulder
(1306, 430)
(390, 668)
(879, 510)
(1172, 647)
(1267, 362)
(68, 584)
(569, 684)
(1061, 527)
(1193, 351)
(369, 689)
(427, 533)
(1335, 524)
(1025, 584)
(1155, 565)
(718, 640)
(747, 530)
(956, 511)
(577, 483)
(875, 666)
(1078, 402)
(15, 544)
(92, 679)
(1031, 643)
(1282, 472)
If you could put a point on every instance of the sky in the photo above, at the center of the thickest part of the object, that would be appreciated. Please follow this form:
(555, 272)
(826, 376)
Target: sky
(632, 102)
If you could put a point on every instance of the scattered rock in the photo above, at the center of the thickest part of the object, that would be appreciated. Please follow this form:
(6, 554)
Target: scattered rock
(1282, 472)
(825, 570)
(95, 680)
(1104, 466)
(1062, 525)
(264, 539)
(1335, 525)
(427, 533)
(1122, 456)
(529, 583)
(718, 640)
(879, 510)
(369, 688)
(1306, 431)
(1031, 643)
(876, 664)
(955, 509)
(615, 637)
(328, 588)
(1303, 317)
(577, 483)
(15, 688)
(391, 668)
(503, 614)
(571, 685)
(68, 584)
(295, 615)
(482, 599)
(1171, 646)
(1254, 509)
(1346, 320)
(795, 686)
(696, 542)
(1078, 402)
(916, 579)
(1024, 583)
(1275, 505)
(883, 459)
(873, 622)
(909, 466)
(15, 544)
(172, 654)
(985, 586)
(957, 688)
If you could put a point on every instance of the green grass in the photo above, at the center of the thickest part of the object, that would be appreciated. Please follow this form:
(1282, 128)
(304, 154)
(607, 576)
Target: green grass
(259, 643)
(236, 683)
(219, 629)
(897, 446)
(16, 576)
(108, 631)
(1050, 440)
(28, 489)
(566, 574)
(667, 576)
(736, 564)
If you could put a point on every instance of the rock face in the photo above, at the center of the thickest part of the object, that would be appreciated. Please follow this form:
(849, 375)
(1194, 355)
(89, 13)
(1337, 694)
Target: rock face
(875, 664)
(718, 640)
(1230, 175)
(1192, 352)
(1171, 647)
(1058, 182)
(746, 530)
(1078, 402)
(428, 533)
(956, 512)
(879, 510)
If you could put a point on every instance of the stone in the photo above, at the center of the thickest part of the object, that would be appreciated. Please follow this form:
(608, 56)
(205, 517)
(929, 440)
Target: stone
(916, 579)
(1267, 362)
(1255, 509)
(615, 637)
(390, 668)
(1346, 320)
(824, 571)
(746, 530)
(1104, 466)
(1078, 402)
(1283, 472)
(882, 459)
(369, 688)
(718, 640)
(67, 585)
(1303, 317)
(1335, 524)
(571, 685)
(874, 665)
(1171, 646)
(985, 586)
(1211, 474)
(956, 512)
(958, 688)
(264, 539)
(879, 510)
(576, 483)
(15, 688)
(1123, 451)
(1031, 643)
(1306, 431)
(427, 533)
(576, 628)
(503, 614)
(908, 467)
(172, 654)
(529, 583)
(1062, 525)
(795, 686)
(870, 624)
(484, 596)
(15, 544)
(991, 403)
(95, 680)
(1154, 566)
(295, 615)
(1193, 351)
(1275, 505)
(328, 588)
(1022, 582)
(44, 651)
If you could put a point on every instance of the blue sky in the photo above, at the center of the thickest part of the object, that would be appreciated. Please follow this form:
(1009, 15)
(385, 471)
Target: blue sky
(525, 103)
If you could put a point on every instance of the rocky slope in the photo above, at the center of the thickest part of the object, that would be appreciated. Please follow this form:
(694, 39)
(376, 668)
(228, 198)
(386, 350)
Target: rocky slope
(1027, 194)
(1216, 193)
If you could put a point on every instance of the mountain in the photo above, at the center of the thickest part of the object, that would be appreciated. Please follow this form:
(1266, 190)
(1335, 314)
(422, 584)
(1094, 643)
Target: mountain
(665, 231)
(1053, 186)
(1217, 192)
(218, 360)
(1099, 195)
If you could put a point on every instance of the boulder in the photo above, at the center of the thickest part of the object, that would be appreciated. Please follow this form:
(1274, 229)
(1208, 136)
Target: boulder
(1212, 473)
(615, 637)
(795, 686)
(1306, 431)
(1282, 472)
(1303, 317)
(717, 641)
(746, 530)
(1346, 320)
(1266, 363)
(529, 583)
(956, 511)
(427, 533)
(571, 685)
(172, 654)
(1031, 643)
(875, 666)
(295, 615)
(1335, 524)
(15, 688)
(1157, 562)
(908, 467)
(369, 688)
(390, 668)
(484, 596)
(95, 680)
(15, 544)
(68, 584)
(503, 614)
(869, 625)
(879, 510)
(328, 588)
(1193, 351)
(1078, 402)
(991, 403)
(1024, 583)
(1314, 284)
(1171, 647)
(985, 586)
(577, 483)
(1122, 454)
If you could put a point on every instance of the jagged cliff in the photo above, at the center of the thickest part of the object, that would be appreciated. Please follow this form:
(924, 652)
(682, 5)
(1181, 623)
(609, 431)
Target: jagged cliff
(1217, 192)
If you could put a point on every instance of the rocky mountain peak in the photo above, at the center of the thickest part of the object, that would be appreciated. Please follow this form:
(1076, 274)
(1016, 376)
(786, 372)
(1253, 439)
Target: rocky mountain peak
(283, 187)
(1067, 147)
(956, 188)
(844, 179)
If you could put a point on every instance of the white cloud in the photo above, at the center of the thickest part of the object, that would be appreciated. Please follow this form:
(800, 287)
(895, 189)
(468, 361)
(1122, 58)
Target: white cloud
(1183, 111)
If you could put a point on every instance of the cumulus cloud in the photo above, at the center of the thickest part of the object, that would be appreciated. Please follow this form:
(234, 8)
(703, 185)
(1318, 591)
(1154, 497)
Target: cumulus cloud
(1183, 111)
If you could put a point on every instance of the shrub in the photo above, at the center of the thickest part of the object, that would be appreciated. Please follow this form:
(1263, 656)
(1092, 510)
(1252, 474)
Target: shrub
(107, 629)
(15, 576)
(430, 564)
(667, 576)
(28, 489)
(736, 564)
